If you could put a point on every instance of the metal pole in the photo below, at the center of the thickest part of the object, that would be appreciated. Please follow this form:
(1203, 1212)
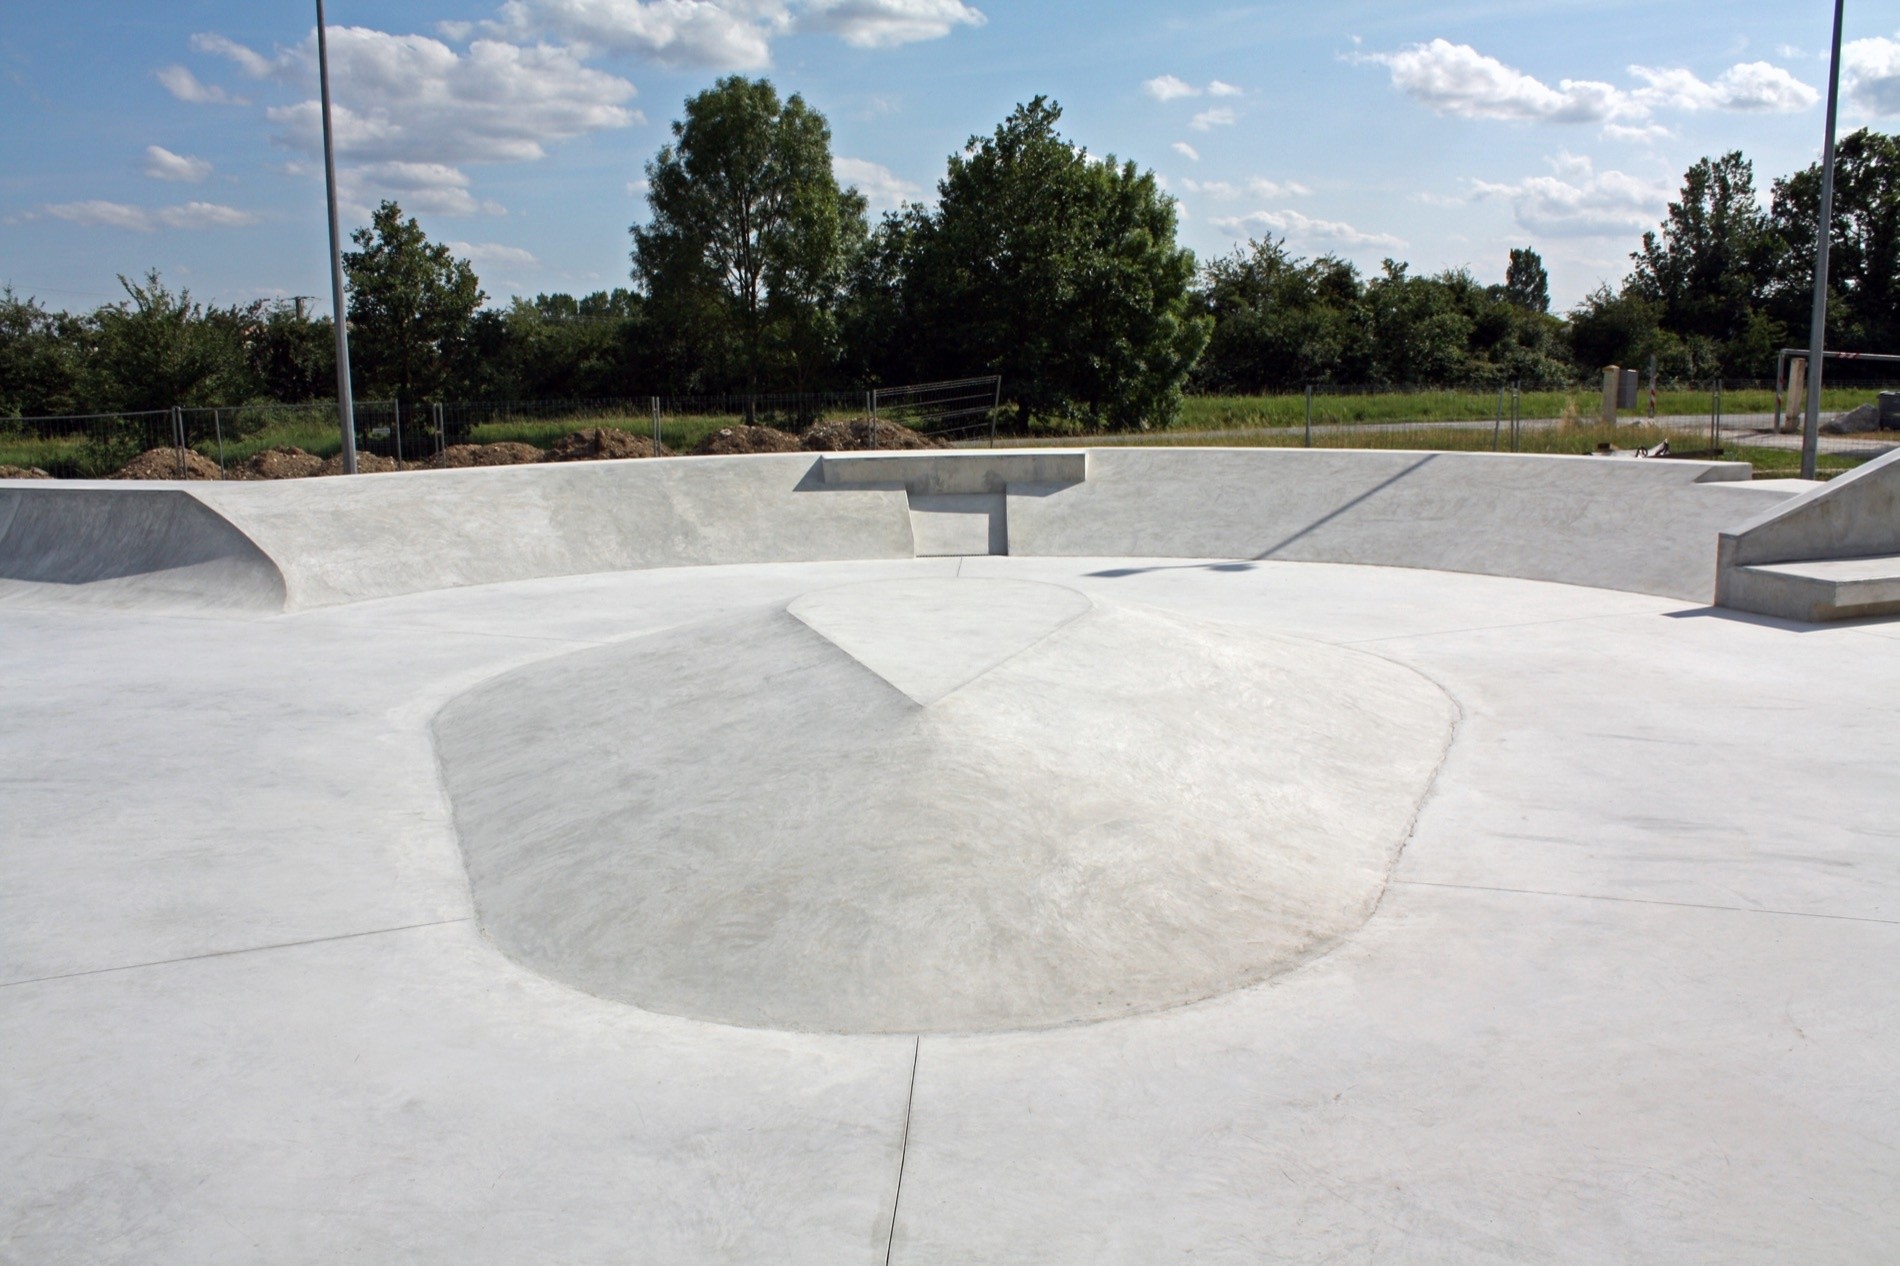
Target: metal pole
(178, 438)
(870, 414)
(436, 409)
(1824, 223)
(1309, 415)
(217, 426)
(397, 405)
(654, 401)
(1516, 401)
(1781, 384)
(345, 405)
(1498, 423)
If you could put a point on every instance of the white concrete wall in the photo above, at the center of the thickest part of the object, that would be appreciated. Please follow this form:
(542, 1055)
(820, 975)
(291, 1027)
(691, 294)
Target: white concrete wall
(1639, 526)
(1850, 516)
(1643, 526)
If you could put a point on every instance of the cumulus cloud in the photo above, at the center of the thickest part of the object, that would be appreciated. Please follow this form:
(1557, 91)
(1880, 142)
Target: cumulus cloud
(1169, 88)
(1458, 80)
(1642, 133)
(98, 213)
(1749, 86)
(1304, 228)
(1173, 88)
(1579, 201)
(409, 98)
(887, 23)
(881, 187)
(1870, 75)
(1186, 151)
(493, 254)
(1225, 190)
(162, 164)
(1219, 116)
(184, 85)
(420, 188)
(250, 61)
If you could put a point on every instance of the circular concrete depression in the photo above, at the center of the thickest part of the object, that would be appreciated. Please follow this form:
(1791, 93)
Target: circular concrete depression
(935, 805)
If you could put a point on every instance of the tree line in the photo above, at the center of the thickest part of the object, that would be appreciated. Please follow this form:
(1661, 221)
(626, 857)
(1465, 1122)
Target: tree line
(1059, 269)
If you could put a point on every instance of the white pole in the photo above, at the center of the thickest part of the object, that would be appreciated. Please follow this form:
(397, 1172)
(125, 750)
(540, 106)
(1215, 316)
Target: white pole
(345, 405)
(1817, 326)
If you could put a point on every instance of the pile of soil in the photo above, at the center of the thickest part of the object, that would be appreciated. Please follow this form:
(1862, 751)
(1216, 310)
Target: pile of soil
(162, 463)
(602, 443)
(459, 455)
(23, 472)
(746, 439)
(841, 437)
(366, 464)
(283, 462)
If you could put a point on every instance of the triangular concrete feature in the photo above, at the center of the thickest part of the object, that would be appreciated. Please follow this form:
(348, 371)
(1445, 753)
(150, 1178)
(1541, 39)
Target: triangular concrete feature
(927, 637)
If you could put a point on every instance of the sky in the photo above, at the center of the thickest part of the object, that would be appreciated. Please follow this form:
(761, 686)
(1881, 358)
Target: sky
(184, 136)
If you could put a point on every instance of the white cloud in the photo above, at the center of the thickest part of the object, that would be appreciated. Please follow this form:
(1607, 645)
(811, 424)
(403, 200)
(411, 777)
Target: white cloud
(881, 187)
(1216, 88)
(1457, 79)
(1169, 88)
(1186, 151)
(184, 85)
(119, 215)
(1870, 75)
(493, 254)
(1219, 116)
(419, 188)
(1258, 187)
(1581, 202)
(1262, 188)
(251, 62)
(887, 23)
(1748, 86)
(736, 35)
(1212, 188)
(409, 98)
(162, 164)
(1305, 228)
(1642, 133)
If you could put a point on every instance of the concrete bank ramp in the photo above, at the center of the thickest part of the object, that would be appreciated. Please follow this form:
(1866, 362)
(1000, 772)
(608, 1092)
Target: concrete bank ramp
(110, 545)
(935, 805)
(1832, 553)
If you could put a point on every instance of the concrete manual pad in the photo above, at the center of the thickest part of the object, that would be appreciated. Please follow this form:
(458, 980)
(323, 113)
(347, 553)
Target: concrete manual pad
(1068, 810)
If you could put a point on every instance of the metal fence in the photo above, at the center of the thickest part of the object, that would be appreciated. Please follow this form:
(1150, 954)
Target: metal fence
(1729, 419)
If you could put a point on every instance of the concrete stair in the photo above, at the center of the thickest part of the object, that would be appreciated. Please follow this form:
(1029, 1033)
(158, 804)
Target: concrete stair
(1820, 589)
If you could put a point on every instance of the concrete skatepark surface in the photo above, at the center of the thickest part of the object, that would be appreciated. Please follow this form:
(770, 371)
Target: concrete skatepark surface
(1627, 993)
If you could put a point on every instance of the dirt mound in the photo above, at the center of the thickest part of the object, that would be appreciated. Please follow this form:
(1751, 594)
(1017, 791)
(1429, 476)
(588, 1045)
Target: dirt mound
(602, 443)
(459, 455)
(23, 472)
(746, 439)
(366, 464)
(857, 433)
(283, 462)
(162, 463)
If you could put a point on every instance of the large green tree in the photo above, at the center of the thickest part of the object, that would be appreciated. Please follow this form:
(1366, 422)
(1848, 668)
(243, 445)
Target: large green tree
(1864, 245)
(748, 248)
(411, 302)
(156, 349)
(1059, 271)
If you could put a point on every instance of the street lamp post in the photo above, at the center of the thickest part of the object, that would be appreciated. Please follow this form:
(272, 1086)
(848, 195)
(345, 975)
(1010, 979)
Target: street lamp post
(345, 403)
(1823, 231)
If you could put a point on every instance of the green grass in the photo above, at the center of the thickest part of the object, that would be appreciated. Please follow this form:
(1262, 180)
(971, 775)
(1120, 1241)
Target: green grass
(1216, 413)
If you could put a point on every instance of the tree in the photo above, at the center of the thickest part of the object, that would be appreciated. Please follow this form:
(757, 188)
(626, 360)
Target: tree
(42, 358)
(411, 302)
(748, 248)
(1705, 270)
(1525, 281)
(1060, 272)
(1279, 321)
(1864, 247)
(156, 349)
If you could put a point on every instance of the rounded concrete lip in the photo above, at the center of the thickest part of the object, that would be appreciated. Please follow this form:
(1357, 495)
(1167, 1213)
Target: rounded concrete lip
(935, 805)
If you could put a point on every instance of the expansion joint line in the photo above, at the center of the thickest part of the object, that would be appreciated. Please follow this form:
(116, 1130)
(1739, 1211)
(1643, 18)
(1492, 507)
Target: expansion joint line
(903, 1152)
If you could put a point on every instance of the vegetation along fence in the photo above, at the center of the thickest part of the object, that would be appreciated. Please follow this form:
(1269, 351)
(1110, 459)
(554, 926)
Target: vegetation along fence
(1727, 419)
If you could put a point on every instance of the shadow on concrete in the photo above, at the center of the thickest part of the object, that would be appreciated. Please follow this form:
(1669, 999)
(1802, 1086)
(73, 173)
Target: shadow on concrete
(1116, 573)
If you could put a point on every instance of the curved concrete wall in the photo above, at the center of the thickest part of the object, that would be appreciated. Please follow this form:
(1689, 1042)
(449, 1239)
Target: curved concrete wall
(113, 545)
(1641, 526)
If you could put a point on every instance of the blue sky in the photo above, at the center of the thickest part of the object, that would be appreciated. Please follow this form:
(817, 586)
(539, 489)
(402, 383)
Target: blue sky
(182, 136)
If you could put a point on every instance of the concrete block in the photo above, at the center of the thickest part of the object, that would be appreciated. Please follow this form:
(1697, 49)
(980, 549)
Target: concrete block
(959, 524)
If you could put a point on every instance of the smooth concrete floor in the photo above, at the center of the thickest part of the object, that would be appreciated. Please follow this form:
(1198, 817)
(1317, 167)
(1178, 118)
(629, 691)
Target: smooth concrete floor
(1632, 994)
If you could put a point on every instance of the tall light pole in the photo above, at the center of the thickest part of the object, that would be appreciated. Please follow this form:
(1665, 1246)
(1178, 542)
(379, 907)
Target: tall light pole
(1823, 232)
(345, 403)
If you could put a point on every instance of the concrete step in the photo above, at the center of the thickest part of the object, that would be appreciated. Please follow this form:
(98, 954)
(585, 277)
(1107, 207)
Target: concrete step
(1823, 589)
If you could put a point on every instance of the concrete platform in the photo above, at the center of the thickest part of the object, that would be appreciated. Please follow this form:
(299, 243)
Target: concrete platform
(1621, 985)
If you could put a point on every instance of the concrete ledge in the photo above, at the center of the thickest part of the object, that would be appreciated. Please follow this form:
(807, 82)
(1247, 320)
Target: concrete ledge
(1853, 520)
(949, 474)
